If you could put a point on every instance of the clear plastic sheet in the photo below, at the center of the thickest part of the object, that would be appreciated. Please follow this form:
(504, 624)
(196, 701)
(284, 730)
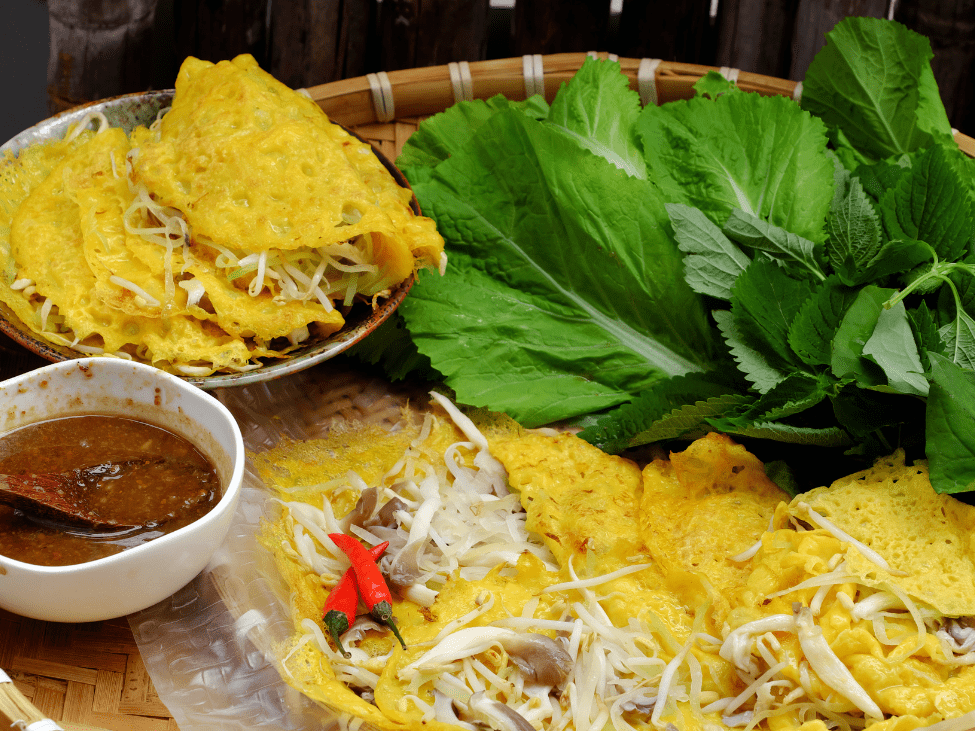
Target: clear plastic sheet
(210, 648)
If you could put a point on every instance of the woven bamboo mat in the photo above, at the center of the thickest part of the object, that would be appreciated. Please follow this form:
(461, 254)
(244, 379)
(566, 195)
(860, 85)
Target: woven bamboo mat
(82, 675)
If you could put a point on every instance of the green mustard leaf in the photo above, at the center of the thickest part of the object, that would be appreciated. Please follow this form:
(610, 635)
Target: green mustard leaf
(765, 301)
(598, 109)
(799, 255)
(855, 330)
(814, 326)
(439, 136)
(845, 152)
(931, 203)
(872, 82)
(713, 263)
(950, 427)
(893, 348)
(755, 365)
(564, 293)
(763, 155)
(712, 85)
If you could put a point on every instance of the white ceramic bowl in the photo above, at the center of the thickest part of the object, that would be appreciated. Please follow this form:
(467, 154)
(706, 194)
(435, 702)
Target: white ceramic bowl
(137, 577)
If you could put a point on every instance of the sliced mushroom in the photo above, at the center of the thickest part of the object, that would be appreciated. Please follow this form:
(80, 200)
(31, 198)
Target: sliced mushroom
(540, 658)
(961, 631)
(364, 508)
(405, 569)
(494, 714)
(643, 705)
(386, 516)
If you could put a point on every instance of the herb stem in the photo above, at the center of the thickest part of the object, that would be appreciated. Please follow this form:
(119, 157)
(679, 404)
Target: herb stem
(939, 270)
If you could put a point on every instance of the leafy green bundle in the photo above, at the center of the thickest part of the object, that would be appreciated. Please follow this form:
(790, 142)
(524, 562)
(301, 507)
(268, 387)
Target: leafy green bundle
(733, 262)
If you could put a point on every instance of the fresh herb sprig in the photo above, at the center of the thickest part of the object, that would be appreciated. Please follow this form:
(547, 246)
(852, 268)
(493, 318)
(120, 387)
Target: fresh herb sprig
(796, 273)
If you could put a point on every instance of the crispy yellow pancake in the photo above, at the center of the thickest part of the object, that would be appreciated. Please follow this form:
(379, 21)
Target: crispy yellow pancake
(689, 594)
(256, 166)
(928, 539)
(703, 507)
(234, 229)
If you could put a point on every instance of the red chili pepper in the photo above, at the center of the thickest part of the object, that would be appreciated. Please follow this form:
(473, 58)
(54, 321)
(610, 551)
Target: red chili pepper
(372, 585)
(339, 611)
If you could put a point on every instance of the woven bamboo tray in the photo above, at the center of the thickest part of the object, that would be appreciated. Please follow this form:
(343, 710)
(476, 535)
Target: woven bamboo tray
(90, 676)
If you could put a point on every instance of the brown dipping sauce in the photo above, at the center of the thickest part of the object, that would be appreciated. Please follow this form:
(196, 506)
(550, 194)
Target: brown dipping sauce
(158, 500)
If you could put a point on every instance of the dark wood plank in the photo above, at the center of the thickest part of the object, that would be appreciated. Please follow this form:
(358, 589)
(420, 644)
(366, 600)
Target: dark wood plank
(677, 30)
(98, 48)
(950, 26)
(756, 35)
(318, 41)
(215, 30)
(563, 26)
(417, 33)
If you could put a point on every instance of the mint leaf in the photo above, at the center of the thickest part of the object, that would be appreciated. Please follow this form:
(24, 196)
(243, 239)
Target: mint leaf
(964, 281)
(864, 412)
(830, 436)
(794, 251)
(854, 331)
(852, 227)
(765, 302)
(950, 427)
(931, 203)
(893, 348)
(762, 155)
(894, 257)
(713, 263)
(959, 339)
(581, 112)
(872, 81)
(878, 177)
(754, 364)
(688, 421)
(673, 408)
(814, 326)
(925, 328)
(565, 292)
(792, 395)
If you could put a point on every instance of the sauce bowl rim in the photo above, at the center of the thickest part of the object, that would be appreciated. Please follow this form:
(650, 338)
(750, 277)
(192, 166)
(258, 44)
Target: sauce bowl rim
(231, 490)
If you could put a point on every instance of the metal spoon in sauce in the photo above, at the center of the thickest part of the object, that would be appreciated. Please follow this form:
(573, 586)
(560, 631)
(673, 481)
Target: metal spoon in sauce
(64, 497)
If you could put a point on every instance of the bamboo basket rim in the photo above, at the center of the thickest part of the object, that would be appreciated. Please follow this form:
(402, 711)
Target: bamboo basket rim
(386, 97)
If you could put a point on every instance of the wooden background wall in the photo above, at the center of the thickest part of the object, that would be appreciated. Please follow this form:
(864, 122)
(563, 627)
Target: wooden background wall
(101, 48)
